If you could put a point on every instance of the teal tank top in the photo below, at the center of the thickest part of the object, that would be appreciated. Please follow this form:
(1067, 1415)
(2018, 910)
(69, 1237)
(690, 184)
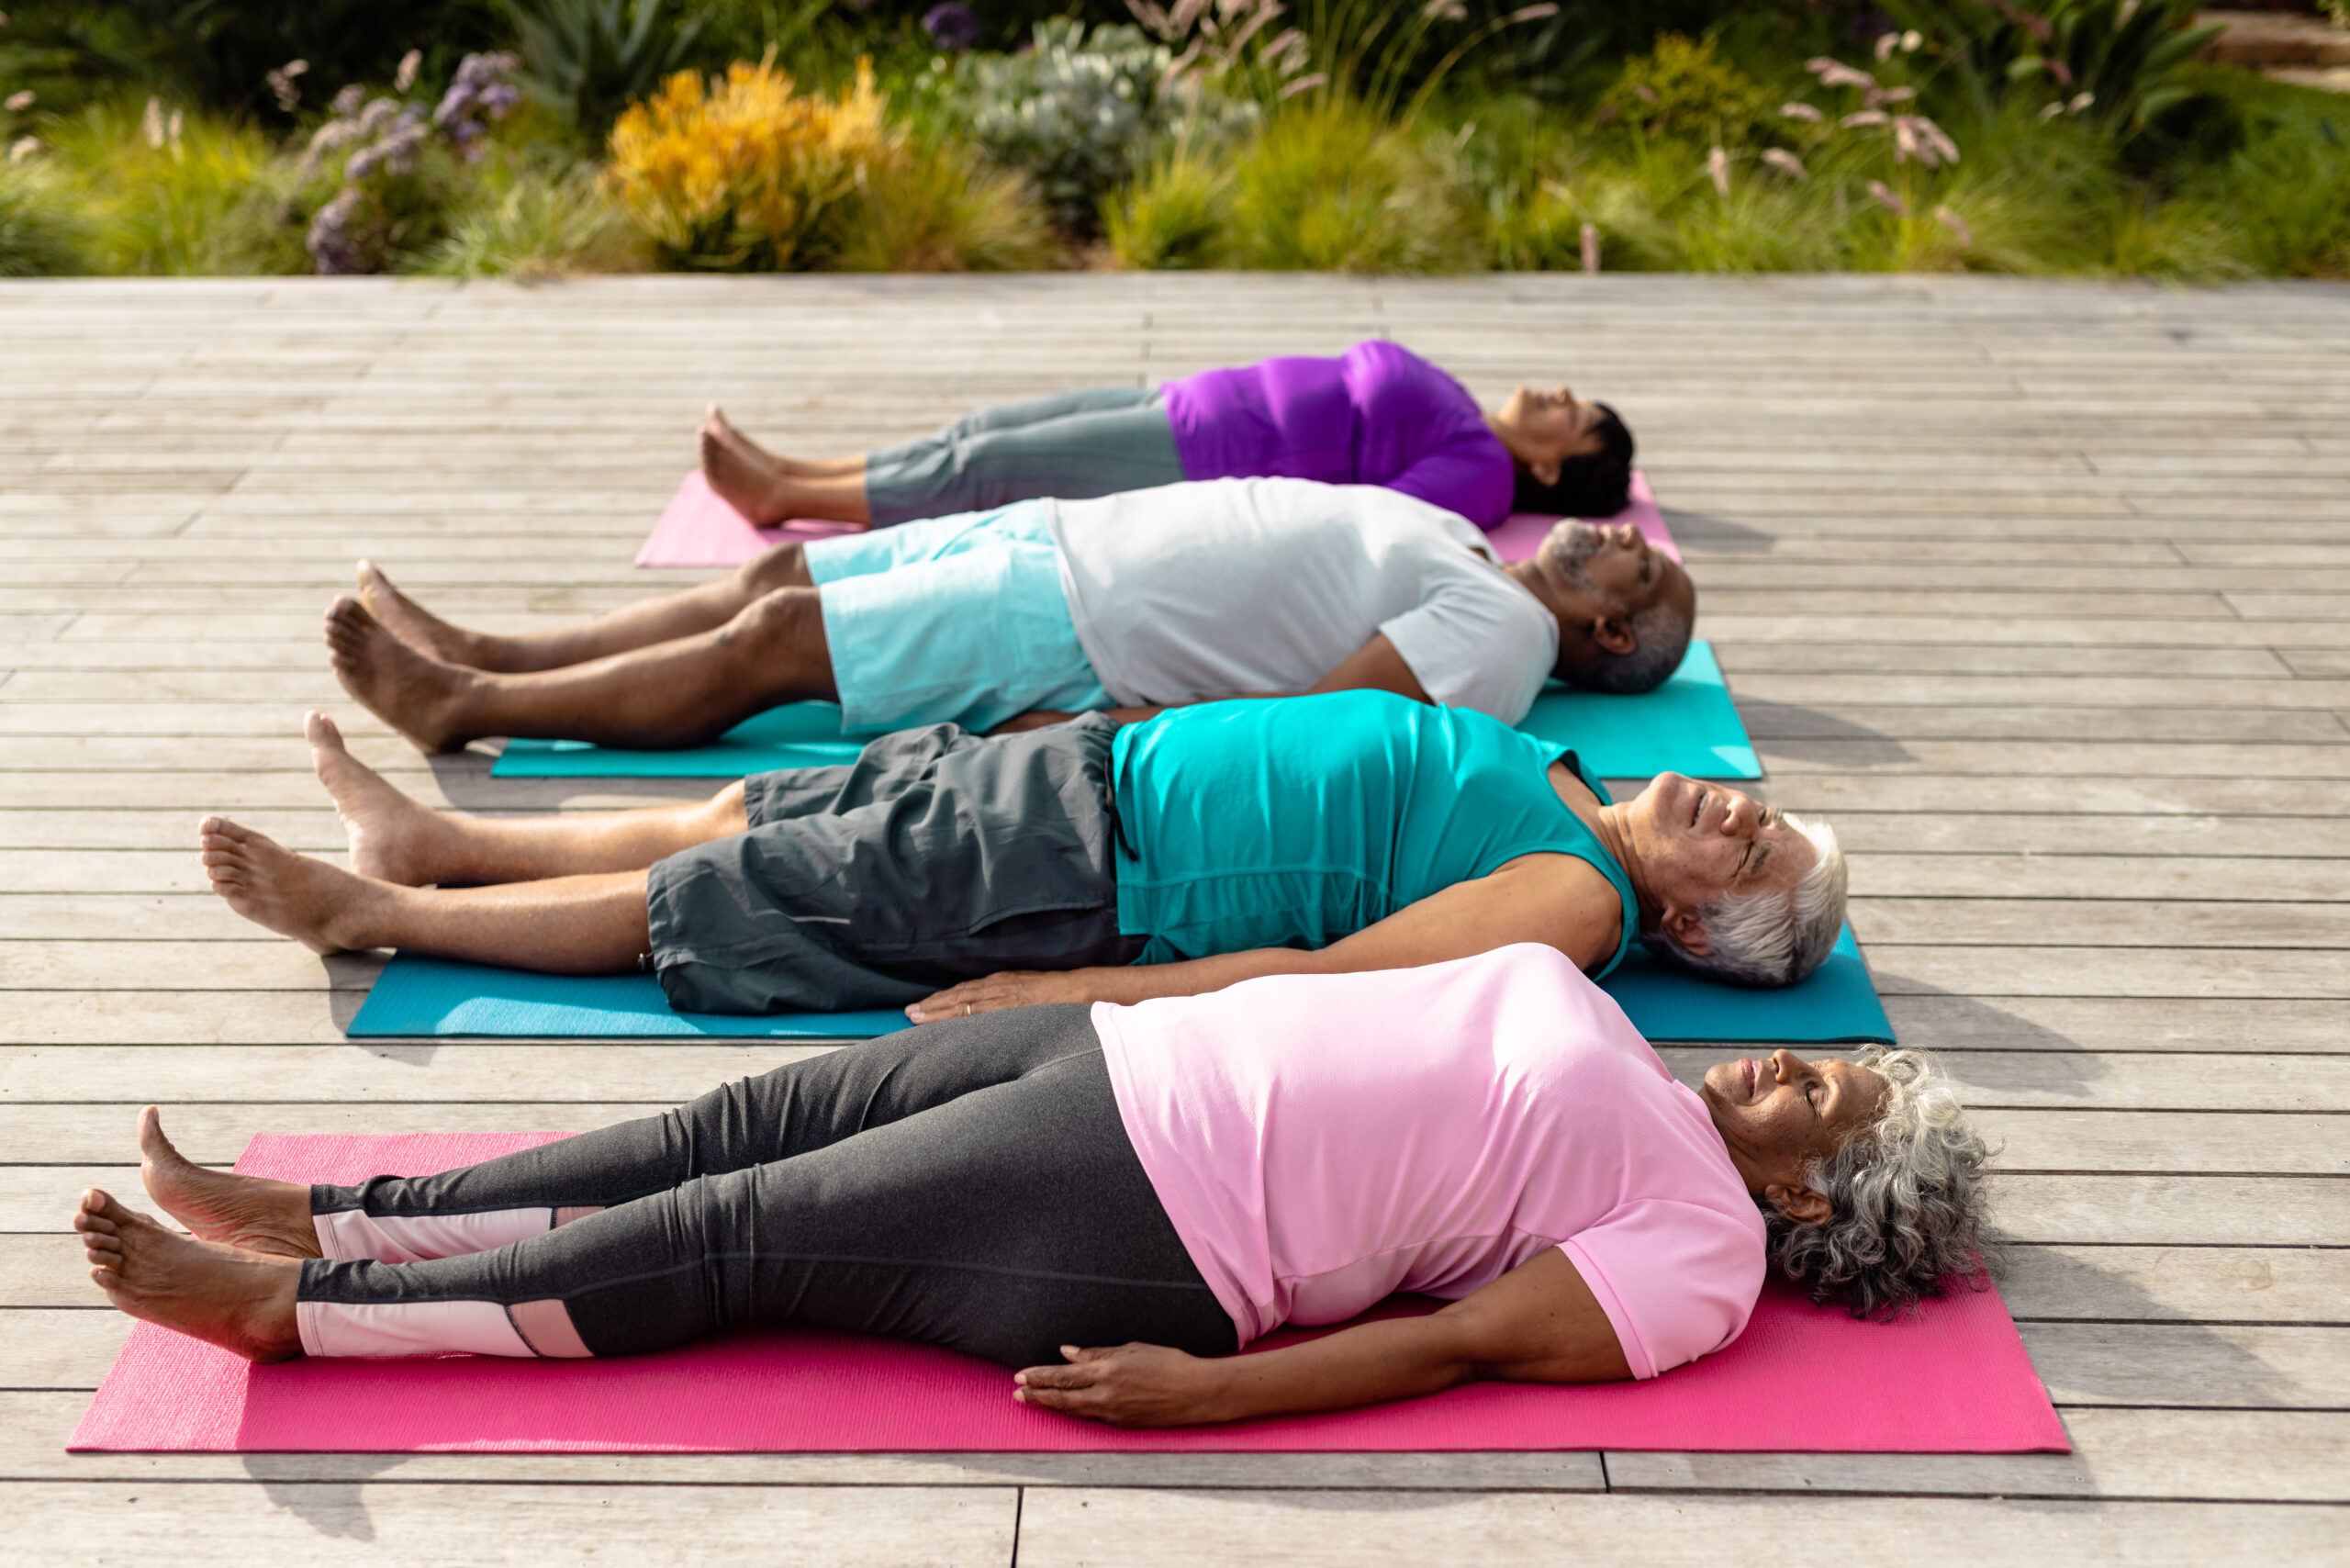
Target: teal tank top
(1295, 822)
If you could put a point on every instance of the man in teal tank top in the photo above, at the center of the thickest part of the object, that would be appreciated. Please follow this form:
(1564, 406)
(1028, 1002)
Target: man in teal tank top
(944, 872)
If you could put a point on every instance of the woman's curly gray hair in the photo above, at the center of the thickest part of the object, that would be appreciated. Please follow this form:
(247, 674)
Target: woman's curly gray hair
(1910, 1217)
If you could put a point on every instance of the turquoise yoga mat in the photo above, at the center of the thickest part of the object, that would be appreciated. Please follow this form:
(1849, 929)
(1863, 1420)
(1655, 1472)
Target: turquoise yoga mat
(433, 996)
(1687, 725)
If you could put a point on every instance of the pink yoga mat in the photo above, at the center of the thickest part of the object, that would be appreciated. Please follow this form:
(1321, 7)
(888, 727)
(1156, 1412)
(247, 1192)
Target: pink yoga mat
(700, 530)
(1954, 1380)
(1521, 532)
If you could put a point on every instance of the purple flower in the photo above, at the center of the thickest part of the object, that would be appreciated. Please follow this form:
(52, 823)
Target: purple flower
(336, 253)
(952, 25)
(480, 92)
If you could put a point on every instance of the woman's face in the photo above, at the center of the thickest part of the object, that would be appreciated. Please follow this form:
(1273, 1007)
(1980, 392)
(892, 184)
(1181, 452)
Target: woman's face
(1780, 1112)
(1544, 427)
(1696, 844)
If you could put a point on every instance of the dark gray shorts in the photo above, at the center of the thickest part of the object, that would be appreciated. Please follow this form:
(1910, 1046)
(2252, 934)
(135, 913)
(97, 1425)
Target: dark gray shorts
(937, 856)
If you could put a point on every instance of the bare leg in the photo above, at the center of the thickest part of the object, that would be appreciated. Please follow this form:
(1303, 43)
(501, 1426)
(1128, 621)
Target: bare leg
(394, 839)
(248, 1212)
(677, 693)
(238, 1300)
(593, 924)
(705, 606)
(767, 488)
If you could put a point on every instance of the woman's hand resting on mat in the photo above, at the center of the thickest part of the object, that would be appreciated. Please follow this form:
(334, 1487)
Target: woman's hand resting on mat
(1538, 1323)
(1014, 988)
(1126, 1386)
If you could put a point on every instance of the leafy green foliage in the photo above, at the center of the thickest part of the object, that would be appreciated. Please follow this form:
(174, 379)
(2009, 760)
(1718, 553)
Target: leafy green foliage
(2125, 64)
(942, 209)
(534, 219)
(588, 59)
(38, 236)
(1081, 113)
(1328, 184)
(176, 194)
(1681, 91)
(1173, 219)
(218, 53)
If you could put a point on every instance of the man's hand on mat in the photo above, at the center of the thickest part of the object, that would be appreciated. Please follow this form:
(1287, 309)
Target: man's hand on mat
(1128, 1386)
(1012, 988)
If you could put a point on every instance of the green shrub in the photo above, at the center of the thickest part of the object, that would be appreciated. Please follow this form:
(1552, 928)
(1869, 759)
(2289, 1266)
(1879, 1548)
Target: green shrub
(1330, 185)
(175, 192)
(588, 59)
(2284, 195)
(217, 55)
(940, 209)
(523, 220)
(1170, 219)
(1682, 91)
(1081, 113)
(38, 235)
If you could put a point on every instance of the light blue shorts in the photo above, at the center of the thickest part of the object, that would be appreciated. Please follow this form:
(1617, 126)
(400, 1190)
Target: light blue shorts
(955, 620)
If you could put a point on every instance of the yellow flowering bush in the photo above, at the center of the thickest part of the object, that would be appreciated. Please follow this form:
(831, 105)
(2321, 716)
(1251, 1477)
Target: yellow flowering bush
(748, 173)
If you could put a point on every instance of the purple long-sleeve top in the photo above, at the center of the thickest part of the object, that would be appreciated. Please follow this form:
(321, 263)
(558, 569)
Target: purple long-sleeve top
(1377, 414)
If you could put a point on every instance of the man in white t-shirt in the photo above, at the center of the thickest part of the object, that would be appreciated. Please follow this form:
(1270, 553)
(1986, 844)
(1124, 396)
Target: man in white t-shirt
(1029, 613)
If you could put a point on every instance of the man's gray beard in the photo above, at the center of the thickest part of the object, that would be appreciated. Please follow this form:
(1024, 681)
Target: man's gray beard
(1579, 546)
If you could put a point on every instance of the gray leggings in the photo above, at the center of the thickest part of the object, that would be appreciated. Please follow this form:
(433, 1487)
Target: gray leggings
(1074, 447)
(968, 1184)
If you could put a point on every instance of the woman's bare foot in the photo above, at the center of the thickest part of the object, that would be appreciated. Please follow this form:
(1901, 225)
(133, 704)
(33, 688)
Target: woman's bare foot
(416, 694)
(324, 907)
(257, 1215)
(242, 1302)
(751, 479)
(393, 839)
(419, 627)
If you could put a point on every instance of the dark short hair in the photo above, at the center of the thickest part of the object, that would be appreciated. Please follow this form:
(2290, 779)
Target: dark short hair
(1595, 484)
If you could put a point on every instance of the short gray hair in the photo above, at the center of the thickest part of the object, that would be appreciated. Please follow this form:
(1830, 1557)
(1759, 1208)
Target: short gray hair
(1659, 641)
(1660, 632)
(1770, 938)
(1910, 1214)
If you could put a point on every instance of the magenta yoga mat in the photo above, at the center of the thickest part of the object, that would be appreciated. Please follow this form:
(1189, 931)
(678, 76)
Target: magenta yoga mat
(699, 529)
(1953, 1380)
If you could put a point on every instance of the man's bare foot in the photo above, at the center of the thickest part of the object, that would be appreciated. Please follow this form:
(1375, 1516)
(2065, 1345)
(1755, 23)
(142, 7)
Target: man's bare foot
(752, 480)
(250, 1212)
(416, 694)
(324, 907)
(242, 1302)
(419, 627)
(393, 839)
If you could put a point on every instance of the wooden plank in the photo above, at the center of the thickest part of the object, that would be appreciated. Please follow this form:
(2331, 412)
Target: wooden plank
(2230, 1367)
(34, 1426)
(2188, 1211)
(2117, 1452)
(203, 1523)
(2093, 971)
(1059, 1528)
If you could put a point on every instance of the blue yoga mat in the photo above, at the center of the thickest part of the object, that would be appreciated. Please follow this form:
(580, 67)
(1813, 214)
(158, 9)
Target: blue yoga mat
(436, 996)
(1687, 725)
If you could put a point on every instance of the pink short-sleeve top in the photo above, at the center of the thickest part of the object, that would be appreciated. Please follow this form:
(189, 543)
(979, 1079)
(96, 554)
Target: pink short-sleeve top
(1322, 1141)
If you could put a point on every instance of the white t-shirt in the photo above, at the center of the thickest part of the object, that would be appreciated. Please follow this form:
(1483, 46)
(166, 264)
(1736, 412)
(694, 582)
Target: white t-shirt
(1215, 588)
(1319, 1141)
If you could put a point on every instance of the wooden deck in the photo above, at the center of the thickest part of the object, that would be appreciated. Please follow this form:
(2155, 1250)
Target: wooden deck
(2040, 592)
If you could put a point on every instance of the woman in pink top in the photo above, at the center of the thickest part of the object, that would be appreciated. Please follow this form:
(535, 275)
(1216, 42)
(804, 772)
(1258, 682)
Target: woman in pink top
(1115, 1199)
(1377, 414)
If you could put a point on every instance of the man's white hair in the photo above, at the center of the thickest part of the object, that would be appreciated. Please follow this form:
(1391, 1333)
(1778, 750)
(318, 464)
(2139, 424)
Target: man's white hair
(1772, 938)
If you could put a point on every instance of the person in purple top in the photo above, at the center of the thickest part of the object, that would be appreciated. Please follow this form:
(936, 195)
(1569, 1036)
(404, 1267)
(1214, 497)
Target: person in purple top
(1377, 414)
